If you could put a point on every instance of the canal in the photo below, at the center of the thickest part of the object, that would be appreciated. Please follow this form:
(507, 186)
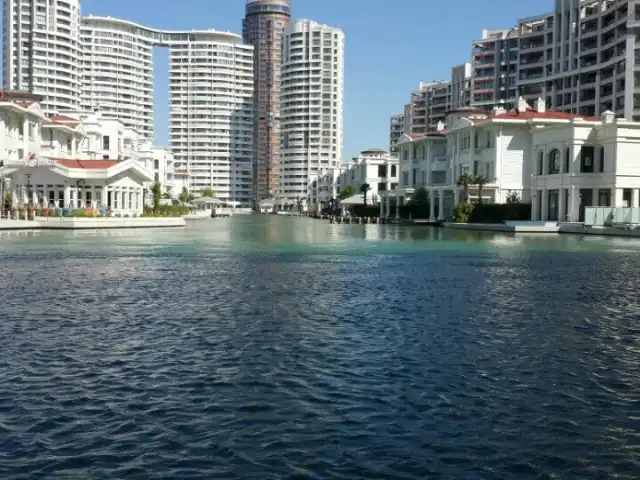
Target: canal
(275, 347)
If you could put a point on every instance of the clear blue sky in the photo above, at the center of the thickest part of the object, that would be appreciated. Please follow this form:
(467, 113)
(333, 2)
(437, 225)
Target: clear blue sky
(391, 45)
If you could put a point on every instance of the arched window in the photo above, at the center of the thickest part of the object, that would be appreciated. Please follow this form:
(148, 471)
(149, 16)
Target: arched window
(554, 161)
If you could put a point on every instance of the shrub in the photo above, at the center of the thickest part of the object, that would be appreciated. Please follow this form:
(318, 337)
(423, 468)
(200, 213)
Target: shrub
(463, 212)
(500, 212)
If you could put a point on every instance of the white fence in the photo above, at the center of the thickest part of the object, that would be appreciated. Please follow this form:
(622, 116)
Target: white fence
(609, 216)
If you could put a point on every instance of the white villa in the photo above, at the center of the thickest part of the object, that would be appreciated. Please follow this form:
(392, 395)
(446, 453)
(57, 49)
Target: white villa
(559, 162)
(70, 160)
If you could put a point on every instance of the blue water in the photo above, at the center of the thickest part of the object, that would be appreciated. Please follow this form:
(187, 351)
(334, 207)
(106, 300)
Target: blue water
(284, 348)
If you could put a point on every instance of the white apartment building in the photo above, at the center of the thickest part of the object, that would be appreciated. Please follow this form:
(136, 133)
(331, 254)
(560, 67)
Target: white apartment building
(211, 91)
(20, 123)
(422, 163)
(42, 163)
(588, 162)
(117, 71)
(312, 106)
(211, 116)
(558, 161)
(374, 166)
(324, 189)
(41, 51)
(494, 64)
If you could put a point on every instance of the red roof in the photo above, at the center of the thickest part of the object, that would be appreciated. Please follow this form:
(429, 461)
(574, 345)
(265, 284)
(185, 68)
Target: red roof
(531, 114)
(24, 104)
(86, 164)
(63, 120)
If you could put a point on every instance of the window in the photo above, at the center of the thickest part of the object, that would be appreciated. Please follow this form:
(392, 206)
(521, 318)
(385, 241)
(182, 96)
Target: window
(394, 172)
(105, 142)
(586, 159)
(567, 160)
(540, 163)
(554, 162)
(601, 159)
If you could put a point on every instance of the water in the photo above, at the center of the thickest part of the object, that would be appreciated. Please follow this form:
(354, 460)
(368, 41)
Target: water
(284, 348)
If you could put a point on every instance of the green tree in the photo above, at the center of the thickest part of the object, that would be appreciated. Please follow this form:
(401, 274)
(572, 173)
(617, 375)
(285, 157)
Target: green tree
(480, 181)
(208, 192)
(185, 196)
(156, 193)
(513, 198)
(363, 190)
(346, 192)
(464, 181)
(166, 196)
(420, 197)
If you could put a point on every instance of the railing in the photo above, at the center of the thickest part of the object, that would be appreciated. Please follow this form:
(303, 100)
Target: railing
(610, 216)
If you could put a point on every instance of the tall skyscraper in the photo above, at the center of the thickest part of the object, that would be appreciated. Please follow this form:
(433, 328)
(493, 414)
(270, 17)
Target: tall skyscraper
(41, 50)
(210, 95)
(262, 27)
(312, 106)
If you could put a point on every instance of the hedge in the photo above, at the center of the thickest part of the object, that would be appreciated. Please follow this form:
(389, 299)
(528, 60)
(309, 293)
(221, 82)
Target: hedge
(411, 210)
(500, 212)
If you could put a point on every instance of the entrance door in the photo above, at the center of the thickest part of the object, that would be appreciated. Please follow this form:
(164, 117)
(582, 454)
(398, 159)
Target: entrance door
(553, 206)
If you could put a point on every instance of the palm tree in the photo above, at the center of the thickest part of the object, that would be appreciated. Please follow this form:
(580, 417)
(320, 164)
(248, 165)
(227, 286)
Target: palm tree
(185, 196)
(364, 189)
(464, 181)
(480, 181)
(156, 192)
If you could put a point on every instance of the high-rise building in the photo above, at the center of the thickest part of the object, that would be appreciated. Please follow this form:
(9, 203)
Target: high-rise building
(42, 49)
(117, 71)
(262, 27)
(312, 106)
(427, 106)
(111, 70)
(210, 95)
(461, 86)
(396, 130)
(495, 68)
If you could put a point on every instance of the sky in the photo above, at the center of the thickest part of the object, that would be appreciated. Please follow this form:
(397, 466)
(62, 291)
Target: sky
(390, 46)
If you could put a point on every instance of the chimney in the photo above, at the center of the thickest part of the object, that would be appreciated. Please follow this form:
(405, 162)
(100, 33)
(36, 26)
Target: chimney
(523, 106)
(541, 106)
(440, 126)
(608, 117)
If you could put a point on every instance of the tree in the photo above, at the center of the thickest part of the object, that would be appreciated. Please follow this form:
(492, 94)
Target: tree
(420, 197)
(208, 192)
(346, 192)
(156, 194)
(363, 190)
(480, 181)
(166, 196)
(185, 196)
(464, 181)
(512, 197)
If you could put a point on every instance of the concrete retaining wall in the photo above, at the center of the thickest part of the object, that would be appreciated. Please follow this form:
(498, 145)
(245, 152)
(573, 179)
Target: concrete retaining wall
(499, 227)
(78, 223)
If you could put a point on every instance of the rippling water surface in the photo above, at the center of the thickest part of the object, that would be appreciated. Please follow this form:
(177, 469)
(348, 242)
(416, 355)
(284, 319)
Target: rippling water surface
(277, 348)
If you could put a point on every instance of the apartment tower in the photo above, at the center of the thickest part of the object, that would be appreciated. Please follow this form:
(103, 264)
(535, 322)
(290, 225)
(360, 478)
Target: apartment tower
(312, 106)
(262, 27)
(41, 50)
